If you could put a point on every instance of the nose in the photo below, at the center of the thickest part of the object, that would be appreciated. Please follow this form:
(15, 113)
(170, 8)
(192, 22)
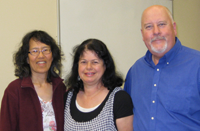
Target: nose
(156, 30)
(89, 66)
(40, 54)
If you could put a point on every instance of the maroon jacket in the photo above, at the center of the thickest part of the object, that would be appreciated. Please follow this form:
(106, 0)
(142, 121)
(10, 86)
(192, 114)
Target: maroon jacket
(21, 109)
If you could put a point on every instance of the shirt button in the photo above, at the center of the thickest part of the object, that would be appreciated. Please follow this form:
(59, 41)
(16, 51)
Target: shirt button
(167, 62)
(154, 84)
(157, 69)
(153, 101)
(152, 118)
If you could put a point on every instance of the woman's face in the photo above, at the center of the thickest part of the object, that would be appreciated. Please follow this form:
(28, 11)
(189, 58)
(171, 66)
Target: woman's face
(41, 62)
(90, 68)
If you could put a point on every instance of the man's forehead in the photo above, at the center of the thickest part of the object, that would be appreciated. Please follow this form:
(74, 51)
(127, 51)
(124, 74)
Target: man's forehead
(154, 16)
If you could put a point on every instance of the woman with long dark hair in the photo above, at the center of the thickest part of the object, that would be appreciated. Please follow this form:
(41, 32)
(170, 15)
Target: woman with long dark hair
(95, 100)
(34, 101)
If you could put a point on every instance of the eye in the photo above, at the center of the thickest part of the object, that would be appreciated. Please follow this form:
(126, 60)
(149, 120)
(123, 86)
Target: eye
(82, 62)
(148, 27)
(95, 62)
(161, 24)
(45, 50)
(34, 51)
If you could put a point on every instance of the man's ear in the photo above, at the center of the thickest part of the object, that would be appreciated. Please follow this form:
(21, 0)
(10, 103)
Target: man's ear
(175, 29)
(142, 34)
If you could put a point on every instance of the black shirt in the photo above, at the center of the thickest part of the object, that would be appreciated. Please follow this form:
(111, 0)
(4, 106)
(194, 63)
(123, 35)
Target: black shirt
(123, 107)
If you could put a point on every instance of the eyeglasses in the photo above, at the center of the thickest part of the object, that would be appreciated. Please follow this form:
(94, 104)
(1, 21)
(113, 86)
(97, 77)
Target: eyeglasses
(36, 52)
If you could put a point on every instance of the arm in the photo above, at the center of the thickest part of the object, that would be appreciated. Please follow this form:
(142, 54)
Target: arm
(125, 123)
(8, 115)
(123, 110)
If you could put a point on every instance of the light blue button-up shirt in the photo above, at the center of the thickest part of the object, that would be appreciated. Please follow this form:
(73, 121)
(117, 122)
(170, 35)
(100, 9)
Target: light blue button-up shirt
(166, 96)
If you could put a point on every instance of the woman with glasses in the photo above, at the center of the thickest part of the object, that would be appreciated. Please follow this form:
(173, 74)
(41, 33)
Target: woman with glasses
(34, 101)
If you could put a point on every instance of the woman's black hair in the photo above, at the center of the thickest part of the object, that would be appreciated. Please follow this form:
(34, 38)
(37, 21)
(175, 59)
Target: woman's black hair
(110, 78)
(22, 68)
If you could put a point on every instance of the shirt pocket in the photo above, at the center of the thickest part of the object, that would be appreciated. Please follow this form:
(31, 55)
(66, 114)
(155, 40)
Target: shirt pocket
(177, 99)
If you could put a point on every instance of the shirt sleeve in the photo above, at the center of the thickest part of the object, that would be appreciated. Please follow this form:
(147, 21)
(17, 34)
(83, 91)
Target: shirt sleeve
(9, 112)
(199, 79)
(123, 105)
(127, 85)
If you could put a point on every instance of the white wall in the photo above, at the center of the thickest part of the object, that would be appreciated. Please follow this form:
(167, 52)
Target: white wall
(115, 22)
(17, 17)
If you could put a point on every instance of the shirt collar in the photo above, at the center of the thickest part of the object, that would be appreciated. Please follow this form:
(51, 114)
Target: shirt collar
(167, 58)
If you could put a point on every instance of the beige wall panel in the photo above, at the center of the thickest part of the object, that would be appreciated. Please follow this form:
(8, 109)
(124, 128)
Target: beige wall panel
(187, 17)
(17, 17)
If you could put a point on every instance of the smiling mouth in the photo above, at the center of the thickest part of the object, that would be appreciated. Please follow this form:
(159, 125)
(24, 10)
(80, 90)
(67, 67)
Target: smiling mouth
(41, 62)
(157, 40)
(89, 74)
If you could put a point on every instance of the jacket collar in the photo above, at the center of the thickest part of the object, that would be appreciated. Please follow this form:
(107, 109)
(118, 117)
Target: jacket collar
(27, 82)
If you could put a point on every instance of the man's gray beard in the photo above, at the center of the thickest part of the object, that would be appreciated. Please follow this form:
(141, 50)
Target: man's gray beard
(158, 50)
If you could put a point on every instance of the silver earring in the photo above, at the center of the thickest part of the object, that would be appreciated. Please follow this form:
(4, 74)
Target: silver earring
(79, 78)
